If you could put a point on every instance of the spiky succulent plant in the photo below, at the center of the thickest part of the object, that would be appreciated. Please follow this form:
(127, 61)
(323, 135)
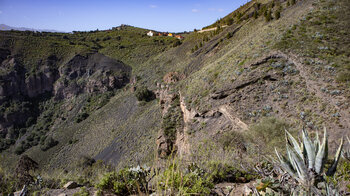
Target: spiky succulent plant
(305, 162)
(347, 151)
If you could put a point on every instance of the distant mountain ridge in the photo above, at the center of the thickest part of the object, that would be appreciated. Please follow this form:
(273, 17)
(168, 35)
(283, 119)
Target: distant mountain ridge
(4, 27)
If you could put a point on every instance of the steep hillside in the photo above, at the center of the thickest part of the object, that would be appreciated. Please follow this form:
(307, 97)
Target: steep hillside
(54, 81)
(223, 96)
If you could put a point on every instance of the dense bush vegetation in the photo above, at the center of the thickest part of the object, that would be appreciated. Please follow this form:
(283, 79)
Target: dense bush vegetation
(268, 134)
(48, 143)
(127, 181)
(143, 94)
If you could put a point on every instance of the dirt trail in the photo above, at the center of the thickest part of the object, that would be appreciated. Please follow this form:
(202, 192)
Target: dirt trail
(315, 86)
(236, 122)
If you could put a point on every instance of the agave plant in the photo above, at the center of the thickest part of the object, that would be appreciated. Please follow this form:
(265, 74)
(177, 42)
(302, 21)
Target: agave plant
(305, 162)
(347, 151)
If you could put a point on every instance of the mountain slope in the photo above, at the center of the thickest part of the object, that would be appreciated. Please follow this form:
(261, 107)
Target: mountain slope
(4, 27)
(215, 91)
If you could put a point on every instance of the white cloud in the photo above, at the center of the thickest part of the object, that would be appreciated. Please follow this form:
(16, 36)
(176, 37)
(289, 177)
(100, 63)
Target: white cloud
(195, 10)
(153, 6)
(216, 10)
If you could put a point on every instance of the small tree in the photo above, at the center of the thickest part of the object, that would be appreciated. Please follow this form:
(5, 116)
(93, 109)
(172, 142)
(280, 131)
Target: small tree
(239, 16)
(143, 94)
(277, 14)
(229, 21)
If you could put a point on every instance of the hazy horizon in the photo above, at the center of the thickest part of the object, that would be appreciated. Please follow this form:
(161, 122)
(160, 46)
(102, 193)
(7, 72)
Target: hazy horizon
(78, 15)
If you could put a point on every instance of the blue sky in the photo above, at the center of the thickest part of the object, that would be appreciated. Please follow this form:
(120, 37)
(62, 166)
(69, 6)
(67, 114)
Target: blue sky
(82, 15)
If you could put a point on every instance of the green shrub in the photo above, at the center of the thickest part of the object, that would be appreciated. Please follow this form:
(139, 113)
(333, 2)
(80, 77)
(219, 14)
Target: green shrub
(19, 149)
(195, 48)
(344, 174)
(267, 134)
(255, 14)
(267, 15)
(229, 21)
(82, 192)
(169, 126)
(344, 76)
(143, 94)
(177, 43)
(126, 181)
(231, 140)
(30, 121)
(179, 182)
(198, 181)
(8, 183)
(220, 172)
(6, 143)
(277, 14)
(42, 139)
(82, 116)
(49, 143)
(86, 161)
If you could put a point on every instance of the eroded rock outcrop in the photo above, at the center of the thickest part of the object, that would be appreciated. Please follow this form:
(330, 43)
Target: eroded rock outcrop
(93, 73)
(170, 113)
(172, 117)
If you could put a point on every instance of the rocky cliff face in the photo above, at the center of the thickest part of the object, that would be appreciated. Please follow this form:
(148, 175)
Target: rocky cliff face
(94, 73)
(82, 74)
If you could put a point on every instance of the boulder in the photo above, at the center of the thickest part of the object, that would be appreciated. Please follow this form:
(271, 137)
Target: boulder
(71, 185)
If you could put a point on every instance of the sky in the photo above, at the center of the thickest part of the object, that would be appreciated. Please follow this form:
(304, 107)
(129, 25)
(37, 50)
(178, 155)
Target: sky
(85, 15)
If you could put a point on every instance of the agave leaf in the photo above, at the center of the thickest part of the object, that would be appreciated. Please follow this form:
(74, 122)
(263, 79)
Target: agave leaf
(286, 165)
(294, 144)
(304, 150)
(290, 158)
(347, 152)
(333, 168)
(317, 142)
(319, 163)
(317, 138)
(300, 166)
(325, 140)
(310, 150)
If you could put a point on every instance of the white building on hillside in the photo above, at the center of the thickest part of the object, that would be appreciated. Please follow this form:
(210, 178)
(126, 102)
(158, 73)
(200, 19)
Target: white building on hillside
(150, 33)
